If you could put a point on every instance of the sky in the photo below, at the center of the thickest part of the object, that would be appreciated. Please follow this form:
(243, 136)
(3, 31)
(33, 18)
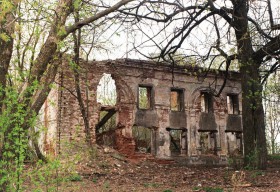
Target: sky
(123, 42)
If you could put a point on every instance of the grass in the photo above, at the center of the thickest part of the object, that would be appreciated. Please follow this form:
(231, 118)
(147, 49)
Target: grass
(75, 177)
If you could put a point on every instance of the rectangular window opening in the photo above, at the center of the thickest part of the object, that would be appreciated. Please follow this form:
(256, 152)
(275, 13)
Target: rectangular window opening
(144, 97)
(206, 102)
(208, 143)
(175, 142)
(239, 142)
(232, 104)
(177, 100)
(143, 138)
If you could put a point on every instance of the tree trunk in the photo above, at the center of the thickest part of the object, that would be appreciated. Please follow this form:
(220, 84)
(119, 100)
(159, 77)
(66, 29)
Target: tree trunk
(6, 50)
(82, 105)
(255, 151)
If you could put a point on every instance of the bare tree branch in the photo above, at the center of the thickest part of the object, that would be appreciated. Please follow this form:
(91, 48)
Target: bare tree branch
(272, 24)
(97, 16)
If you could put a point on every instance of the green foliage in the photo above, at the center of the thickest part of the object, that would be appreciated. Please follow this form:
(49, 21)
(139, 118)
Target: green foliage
(252, 160)
(62, 31)
(230, 161)
(95, 180)
(13, 139)
(73, 65)
(52, 175)
(4, 37)
(77, 4)
(75, 177)
(15, 120)
(257, 173)
(46, 176)
(6, 6)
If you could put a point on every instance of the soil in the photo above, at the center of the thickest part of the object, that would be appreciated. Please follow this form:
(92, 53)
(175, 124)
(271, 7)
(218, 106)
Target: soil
(106, 170)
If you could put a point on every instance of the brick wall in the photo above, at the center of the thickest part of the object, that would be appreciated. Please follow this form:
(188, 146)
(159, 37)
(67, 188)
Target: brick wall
(161, 77)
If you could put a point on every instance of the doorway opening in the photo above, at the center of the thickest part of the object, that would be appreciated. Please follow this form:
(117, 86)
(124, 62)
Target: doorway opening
(107, 98)
(143, 139)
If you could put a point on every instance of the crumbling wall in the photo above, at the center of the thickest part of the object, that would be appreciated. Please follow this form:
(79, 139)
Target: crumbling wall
(46, 126)
(159, 79)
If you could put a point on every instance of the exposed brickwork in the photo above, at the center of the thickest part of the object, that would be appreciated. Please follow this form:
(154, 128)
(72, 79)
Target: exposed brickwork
(128, 75)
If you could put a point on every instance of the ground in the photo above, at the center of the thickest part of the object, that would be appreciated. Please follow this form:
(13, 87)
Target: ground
(104, 169)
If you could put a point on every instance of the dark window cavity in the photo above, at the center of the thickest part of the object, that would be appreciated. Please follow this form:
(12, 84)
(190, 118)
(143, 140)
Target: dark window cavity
(206, 102)
(232, 104)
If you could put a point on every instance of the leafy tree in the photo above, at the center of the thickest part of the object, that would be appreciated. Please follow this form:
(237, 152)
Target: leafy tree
(33, 37)
(236, 29)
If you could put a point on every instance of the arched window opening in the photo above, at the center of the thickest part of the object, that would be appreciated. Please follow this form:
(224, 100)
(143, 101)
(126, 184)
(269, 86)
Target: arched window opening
(106, 90)
(107, 97)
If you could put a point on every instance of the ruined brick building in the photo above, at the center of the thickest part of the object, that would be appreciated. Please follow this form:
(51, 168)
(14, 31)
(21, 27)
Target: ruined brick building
(168, 111)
